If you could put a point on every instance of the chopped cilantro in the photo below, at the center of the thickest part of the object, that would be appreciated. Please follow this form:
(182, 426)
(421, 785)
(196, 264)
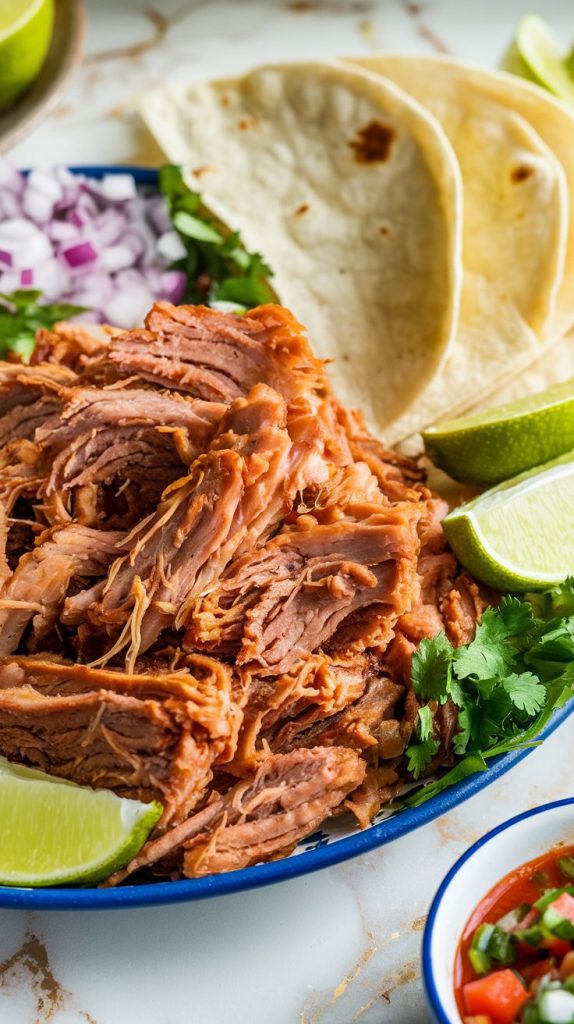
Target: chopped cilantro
(21, 315)
(498, 637)
(505, 683)
(431, 668)
(420, 754)
(525, 691)
(218, 267)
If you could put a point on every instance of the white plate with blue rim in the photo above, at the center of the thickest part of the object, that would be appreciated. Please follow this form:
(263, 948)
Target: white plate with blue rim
(337, 840)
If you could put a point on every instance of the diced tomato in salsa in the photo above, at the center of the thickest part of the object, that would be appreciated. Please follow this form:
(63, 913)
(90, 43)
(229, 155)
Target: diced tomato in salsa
(539, 969)
(558, 947)
(499, 996)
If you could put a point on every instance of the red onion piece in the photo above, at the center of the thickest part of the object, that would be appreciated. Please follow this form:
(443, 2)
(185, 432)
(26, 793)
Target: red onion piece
(171, 247)
(173, 284)
(53, 278)
(118, 187)
(80, 254)
(24, 242)
(10, 178)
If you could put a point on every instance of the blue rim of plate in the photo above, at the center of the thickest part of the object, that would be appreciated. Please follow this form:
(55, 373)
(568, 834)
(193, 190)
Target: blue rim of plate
(429, 984)
(154, 893)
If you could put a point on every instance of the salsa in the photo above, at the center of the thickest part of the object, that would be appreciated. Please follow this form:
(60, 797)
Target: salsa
(515, 961)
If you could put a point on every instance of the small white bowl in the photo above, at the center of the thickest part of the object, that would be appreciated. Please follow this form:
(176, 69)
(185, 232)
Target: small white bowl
(501, 851)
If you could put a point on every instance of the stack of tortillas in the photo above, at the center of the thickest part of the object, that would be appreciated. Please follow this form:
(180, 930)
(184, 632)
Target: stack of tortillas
(415, 212)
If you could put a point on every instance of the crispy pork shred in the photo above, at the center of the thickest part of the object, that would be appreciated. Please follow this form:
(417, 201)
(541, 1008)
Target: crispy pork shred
(212, 582)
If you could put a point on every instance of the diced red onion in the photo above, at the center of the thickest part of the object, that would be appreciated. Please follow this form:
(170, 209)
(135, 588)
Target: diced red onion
(62, 231)
(171, 247)
(85, 210)
(80, 254)
(53, 278)
(10, 178)
(108, 227)
(25, 243)
(71, 186)
(117, 257)
(10, 206)
(173, 284)
(135, 243)
(94, 290)
(9, 281)
(118, 187)
(95, 243)
(41, 194)
(128, 306)
(158, 214)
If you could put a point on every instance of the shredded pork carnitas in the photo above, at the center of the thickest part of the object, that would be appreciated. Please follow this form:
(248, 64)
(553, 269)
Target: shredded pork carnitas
(212, 581)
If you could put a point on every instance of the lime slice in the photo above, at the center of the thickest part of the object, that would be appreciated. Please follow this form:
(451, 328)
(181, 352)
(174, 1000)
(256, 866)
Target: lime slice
(55, 832)
(536, 54)
(487, 447)
(519, 536)
(25, 34)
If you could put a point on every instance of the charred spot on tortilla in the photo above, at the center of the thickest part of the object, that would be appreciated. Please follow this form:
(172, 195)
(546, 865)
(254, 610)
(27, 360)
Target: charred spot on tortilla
(199, 172)
(246, 123)
(384, 230)
(521, 173)
(301, 209)
(373, 143)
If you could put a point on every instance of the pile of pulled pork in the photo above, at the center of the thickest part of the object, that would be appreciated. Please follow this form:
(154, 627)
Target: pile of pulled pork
(212, 580)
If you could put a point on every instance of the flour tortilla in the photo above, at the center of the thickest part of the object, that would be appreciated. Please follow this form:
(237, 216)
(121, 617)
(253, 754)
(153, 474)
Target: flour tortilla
(516, 212)
(352, 193)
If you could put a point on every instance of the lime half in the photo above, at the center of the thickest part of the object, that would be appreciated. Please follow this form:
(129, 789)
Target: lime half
(54, 832)
(519, 536)
(487, 447)
(25, 34)
(536, 54)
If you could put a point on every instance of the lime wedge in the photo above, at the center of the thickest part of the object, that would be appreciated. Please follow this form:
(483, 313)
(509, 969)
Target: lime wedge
(519, 536)
(487, 447)
(25, 34)
(54, 832)
(536, 54)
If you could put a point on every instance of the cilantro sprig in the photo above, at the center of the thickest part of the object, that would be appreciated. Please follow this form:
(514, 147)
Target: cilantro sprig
(505, 683)
(21, 315)
(217, 265)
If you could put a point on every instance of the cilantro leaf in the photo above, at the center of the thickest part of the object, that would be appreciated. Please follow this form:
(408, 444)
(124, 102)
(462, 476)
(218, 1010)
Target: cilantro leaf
(468, 766)
(432, 669)
(421, 753)
(553, 648)
(466, 728)
(505, 684)
(424, 724)
(22, 314)
(193, 227)
(525, 691)
(498, 638)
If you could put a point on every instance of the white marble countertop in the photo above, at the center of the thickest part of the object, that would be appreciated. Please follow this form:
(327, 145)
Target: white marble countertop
(341, 945)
